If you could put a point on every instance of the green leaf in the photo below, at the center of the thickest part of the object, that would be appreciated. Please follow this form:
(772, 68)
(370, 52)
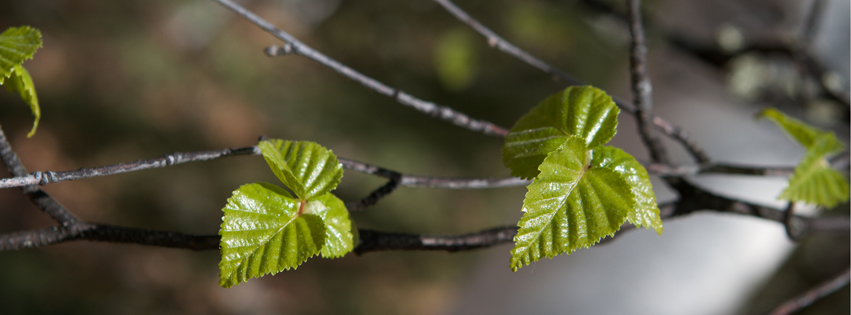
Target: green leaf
(264, 232)
(17, 44)
(646, 210)
(339, 239)
(581, 111)
(814, 181)
(800, 131)
(308, 169)
(21, 82)
(579, 197)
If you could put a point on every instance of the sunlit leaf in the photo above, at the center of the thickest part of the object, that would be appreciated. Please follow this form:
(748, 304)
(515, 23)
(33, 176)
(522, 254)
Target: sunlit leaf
(814, 181)
(264, 231)
(583, 111)
(20, 81)
(308, 169)
(339, 239)
(579, 197)
(17, 44)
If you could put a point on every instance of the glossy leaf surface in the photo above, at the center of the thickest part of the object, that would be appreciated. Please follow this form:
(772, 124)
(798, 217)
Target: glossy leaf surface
(580, 197)
(338, 227)
(582, 111)
(308, 169)
(264, 233)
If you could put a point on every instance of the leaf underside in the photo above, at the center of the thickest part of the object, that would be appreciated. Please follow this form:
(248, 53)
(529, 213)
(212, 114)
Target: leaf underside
(18, 44)
(813, 181)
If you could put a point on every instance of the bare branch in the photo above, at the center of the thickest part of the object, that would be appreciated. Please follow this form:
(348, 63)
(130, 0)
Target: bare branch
(504, 46)
(642, 89)
(807, 298)
(295, 46)
(376, 195)
(38, 196)
(371, 241)
(414, 181)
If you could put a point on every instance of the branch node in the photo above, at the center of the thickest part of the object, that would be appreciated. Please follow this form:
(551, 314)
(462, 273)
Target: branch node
(276, 51)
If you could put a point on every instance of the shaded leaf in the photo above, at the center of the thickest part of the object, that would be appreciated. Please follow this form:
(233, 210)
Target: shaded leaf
(581, 111)
(308, 169)
(800, 131)
(814, 181)
(263, 233)
(20, 81)
(17, 44)
(579, 197)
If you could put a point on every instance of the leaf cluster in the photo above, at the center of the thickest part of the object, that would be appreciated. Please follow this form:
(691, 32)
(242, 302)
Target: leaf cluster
(267, 229)
(582, 190)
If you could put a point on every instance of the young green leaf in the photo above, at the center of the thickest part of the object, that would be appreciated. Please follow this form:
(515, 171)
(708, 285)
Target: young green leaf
(20, 81)
(264, 231)
(814, 181)
(579, 197)
(798, 130)
(582, 111)
(307, 168)
(338, 228)
(18, 44)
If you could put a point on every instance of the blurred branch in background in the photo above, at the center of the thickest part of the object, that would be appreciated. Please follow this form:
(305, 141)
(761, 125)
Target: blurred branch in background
(691, 197)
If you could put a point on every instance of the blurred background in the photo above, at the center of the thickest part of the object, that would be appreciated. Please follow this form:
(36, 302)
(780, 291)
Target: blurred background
(126, 80)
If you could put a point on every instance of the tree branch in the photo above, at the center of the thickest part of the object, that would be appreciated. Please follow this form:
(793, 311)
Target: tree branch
(499, 43)
(36, 195)
(49, 177)
(297, 47)
(819, 291)
(642, 89)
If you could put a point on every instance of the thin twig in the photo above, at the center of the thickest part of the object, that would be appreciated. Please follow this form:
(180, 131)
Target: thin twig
(642, 89)
(36, 195)
(414, 181)
(719, 57)
(429, 108)
(807, 298)
(497, 42)
(506, 47)
(376, 195)
(788, 223)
